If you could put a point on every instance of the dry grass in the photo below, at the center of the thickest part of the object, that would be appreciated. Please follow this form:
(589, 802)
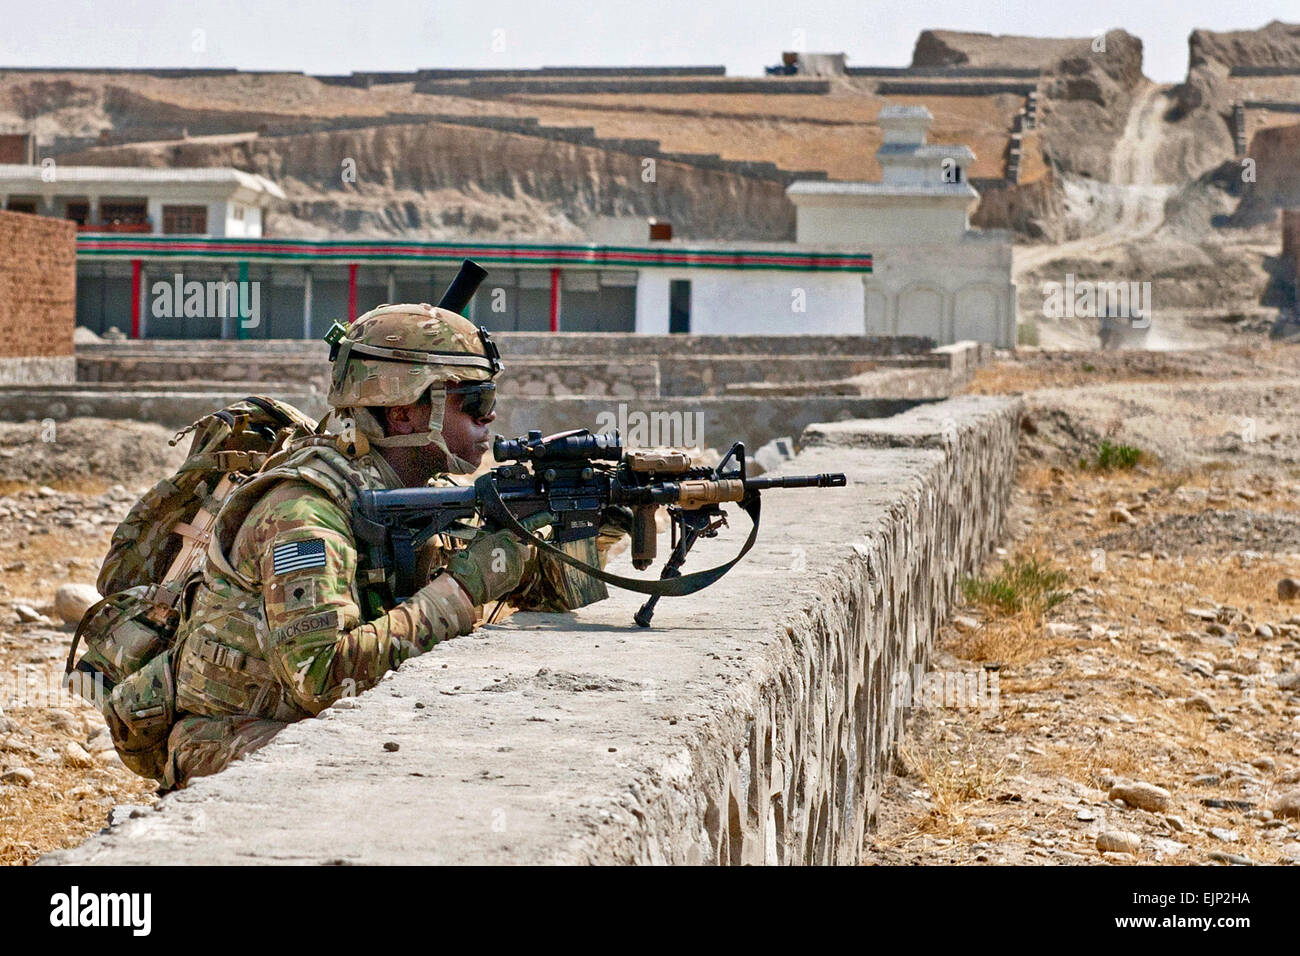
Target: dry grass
(65, 804)
(957, 776)
(36, 821)
(1009, 640)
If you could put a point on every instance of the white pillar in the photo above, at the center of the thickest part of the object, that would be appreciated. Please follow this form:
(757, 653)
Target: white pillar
(306, 302)
(153, 210)
(392, 287)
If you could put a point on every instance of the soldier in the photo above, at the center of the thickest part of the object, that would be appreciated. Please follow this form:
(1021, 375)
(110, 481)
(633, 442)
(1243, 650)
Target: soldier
(285, 621)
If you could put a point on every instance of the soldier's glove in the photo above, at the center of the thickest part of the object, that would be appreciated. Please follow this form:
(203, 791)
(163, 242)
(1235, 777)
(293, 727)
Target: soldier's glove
(615, 522)
(493, 564)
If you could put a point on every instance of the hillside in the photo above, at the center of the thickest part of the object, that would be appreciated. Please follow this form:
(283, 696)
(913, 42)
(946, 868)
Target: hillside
(541, 154)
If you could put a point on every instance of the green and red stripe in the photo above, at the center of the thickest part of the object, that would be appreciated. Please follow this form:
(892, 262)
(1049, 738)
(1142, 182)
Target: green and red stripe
(93, 246)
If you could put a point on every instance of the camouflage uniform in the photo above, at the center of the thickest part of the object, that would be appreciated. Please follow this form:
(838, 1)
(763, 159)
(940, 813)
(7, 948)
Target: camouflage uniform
(277, 632)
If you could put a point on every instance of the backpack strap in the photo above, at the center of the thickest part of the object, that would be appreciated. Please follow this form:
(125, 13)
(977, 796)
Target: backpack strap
(271, 409)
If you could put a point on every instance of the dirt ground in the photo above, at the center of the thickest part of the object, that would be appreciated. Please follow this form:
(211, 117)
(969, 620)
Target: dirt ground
(61, 494)
(1167, 672)
(1170, 661)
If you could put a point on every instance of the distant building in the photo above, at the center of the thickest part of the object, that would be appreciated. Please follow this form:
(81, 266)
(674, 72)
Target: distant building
(932, 275)
(195, 264)
(111, 199)
(163, 286)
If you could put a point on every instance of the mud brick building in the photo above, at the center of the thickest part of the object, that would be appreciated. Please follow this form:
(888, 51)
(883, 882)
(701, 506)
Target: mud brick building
(1291, 248)
(38, 285)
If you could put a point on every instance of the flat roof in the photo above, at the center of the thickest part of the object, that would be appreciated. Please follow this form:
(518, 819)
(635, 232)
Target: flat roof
(11, 173)
(924, 150)
(816, 187)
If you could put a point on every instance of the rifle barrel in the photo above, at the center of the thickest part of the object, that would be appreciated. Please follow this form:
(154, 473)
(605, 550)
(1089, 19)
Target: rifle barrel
(825, 480)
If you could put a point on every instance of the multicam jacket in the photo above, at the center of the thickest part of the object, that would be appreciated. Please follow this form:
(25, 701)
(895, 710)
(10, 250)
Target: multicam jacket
(276, 629)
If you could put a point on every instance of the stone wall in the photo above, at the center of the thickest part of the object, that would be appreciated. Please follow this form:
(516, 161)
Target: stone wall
(167, 405)
(631, 377)
(752, 723)
(38, 284)
(616, 365)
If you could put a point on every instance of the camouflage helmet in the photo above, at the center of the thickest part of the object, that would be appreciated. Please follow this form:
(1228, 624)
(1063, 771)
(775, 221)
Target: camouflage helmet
(392, 355)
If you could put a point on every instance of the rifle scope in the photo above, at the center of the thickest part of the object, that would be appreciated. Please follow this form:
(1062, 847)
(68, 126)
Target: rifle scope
(566, 446)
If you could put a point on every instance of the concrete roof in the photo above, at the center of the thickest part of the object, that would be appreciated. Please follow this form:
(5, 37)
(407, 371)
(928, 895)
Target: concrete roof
(924, 150)
(903, 112)
(12, 174)
(814, 187)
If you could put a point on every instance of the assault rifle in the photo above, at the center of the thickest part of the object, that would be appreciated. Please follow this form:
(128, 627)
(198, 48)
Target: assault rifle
(578, 477)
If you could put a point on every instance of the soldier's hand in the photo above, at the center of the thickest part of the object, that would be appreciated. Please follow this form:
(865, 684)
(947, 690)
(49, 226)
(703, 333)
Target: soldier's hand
(493, 564)
(616, 522)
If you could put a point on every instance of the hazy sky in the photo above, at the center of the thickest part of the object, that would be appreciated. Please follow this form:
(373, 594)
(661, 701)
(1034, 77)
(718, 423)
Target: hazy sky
(338, 36)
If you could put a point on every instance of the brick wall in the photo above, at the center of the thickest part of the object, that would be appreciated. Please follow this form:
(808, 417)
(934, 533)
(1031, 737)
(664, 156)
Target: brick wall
(38, 297)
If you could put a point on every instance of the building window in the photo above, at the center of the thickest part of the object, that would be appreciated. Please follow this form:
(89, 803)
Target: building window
(124, 213)
(78, 212)
(679, 305)
(238, 212)
(23, 205)
(192, 220)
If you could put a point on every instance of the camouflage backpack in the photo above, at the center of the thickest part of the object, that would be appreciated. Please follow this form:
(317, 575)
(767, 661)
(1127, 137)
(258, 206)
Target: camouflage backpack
(156, 555)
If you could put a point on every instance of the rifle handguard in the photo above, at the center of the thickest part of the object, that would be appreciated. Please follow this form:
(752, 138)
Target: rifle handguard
(699, 492)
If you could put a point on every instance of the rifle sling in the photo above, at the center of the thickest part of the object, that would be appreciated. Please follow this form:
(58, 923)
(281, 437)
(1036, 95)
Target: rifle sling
(495, 508)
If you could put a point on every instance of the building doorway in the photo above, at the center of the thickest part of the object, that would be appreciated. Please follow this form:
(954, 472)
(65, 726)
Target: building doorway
(679, 305)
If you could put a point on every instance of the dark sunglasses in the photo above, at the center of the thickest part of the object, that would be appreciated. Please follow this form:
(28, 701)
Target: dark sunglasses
(477, 399)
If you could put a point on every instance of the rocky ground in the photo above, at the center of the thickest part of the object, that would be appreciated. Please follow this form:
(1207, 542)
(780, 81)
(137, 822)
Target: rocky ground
(60, 498)
(1147, 696)
(1150, 715)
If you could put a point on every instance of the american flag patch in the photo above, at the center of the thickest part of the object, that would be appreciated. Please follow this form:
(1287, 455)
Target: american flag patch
(298, 555)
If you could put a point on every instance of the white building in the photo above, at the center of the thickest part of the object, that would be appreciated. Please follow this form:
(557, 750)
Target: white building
(931, 273)
(106, 199)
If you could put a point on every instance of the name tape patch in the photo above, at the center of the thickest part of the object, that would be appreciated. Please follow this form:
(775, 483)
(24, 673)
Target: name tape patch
(330, 621)
(298, 555)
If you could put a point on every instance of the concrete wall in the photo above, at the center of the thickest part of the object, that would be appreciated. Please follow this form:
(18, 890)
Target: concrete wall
(751, 724)
(943, 372)
(704, 421)
(727, 302)
(879, 223)
(38, 283)
(170, 406)
(580, 364)
(949, 292)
